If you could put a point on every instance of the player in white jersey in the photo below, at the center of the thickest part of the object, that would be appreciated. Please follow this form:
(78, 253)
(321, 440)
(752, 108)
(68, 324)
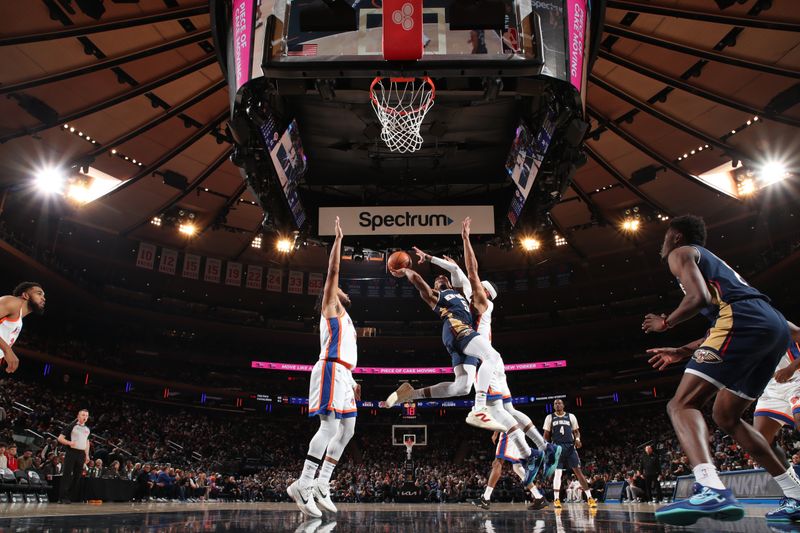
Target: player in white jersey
(507, 451)
(28, 297)
(779, 405)
(332, 393)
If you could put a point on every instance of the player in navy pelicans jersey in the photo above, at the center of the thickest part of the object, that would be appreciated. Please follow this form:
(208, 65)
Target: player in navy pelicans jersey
(462, 342)
(561, 428)
(464, 370)
(28, 297)
(735, 361)
(332, 393)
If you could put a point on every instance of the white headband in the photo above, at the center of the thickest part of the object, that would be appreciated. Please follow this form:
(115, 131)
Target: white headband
(490, 289)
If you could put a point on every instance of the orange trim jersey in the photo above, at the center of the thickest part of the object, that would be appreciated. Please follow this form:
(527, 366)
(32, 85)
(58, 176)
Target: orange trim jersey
(9, 330)
(792, 353)
(338, 340)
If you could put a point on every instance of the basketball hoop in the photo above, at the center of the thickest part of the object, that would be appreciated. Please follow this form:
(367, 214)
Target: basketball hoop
(401, 105)
(409, 446)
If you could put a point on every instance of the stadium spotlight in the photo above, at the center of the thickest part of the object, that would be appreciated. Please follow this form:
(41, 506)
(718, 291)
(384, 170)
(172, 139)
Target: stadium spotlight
(256, 242)
(559, 240)
(530, 244)
(50, 180)
(630, 225)
(771, 172)
(187, 229)
(156, 221)
(283, 245)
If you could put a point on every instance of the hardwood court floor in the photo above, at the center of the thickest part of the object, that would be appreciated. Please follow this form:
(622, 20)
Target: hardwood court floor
(383, 518)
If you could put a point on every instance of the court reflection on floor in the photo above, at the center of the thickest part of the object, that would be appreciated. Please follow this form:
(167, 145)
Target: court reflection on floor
(423, 519)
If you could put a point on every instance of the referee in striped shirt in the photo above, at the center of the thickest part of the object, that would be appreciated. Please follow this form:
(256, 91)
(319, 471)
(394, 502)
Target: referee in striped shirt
(76, 437)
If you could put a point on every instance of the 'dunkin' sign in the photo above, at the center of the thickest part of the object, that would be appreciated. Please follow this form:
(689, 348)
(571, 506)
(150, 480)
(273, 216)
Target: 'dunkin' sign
(407, 220)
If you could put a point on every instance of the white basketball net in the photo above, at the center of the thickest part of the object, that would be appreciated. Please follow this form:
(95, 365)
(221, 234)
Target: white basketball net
(409, 446)
(401, 105)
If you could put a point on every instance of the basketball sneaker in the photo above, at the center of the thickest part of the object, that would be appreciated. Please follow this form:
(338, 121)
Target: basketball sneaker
(480, 502)
(719, 504)
(592, 503)
(557, 504)
(552, 453)
(304, 499)
(531, 465)
(537, 504)
(322, 495)
(481, 418)
(788, 511)
(401, 395)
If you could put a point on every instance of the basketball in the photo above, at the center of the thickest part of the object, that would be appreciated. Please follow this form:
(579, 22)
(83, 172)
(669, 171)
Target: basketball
(398, 260)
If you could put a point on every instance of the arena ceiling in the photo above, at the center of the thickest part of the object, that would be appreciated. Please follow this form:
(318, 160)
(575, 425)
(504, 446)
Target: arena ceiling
(133, 89)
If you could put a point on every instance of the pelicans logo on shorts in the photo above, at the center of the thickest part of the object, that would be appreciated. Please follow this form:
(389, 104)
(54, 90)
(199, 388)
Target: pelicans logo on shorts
(706, 356)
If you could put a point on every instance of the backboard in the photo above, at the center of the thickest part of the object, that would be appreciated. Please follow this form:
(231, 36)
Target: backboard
(400, 432)
(456, 36)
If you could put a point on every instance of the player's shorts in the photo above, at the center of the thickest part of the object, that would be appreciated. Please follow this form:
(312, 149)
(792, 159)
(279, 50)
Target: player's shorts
(507, 450)
(498, 387)
(780, 401)
(569, 457)
(742, 348)
(455, 347)
(331, 390)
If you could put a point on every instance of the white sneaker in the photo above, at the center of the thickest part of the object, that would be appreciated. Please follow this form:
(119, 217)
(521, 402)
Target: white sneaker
(481, 418)
(322, 495)
(403, 394)
(304, 499)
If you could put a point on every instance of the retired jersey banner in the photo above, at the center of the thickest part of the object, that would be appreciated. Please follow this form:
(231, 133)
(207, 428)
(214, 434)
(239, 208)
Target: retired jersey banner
(407, 220)
(274, 279)
(146, 257)
(295, 282)
(213, 270)
(254, 274)
(315, 283)
(191, 266)
(233, 274)
(169, 261)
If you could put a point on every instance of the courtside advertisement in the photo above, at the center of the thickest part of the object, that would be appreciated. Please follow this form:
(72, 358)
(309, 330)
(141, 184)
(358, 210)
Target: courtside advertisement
(407, 220)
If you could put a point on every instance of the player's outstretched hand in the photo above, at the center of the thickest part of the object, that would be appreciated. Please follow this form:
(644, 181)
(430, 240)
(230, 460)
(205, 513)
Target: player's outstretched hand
(420, 254)
(399, 273)
(338, 229)
(663, 357)
(654, 323)
(465, 228)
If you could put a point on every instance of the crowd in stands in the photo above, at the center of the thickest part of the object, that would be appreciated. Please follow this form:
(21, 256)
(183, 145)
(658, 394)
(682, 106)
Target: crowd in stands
(112, 285)
(193, 455)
